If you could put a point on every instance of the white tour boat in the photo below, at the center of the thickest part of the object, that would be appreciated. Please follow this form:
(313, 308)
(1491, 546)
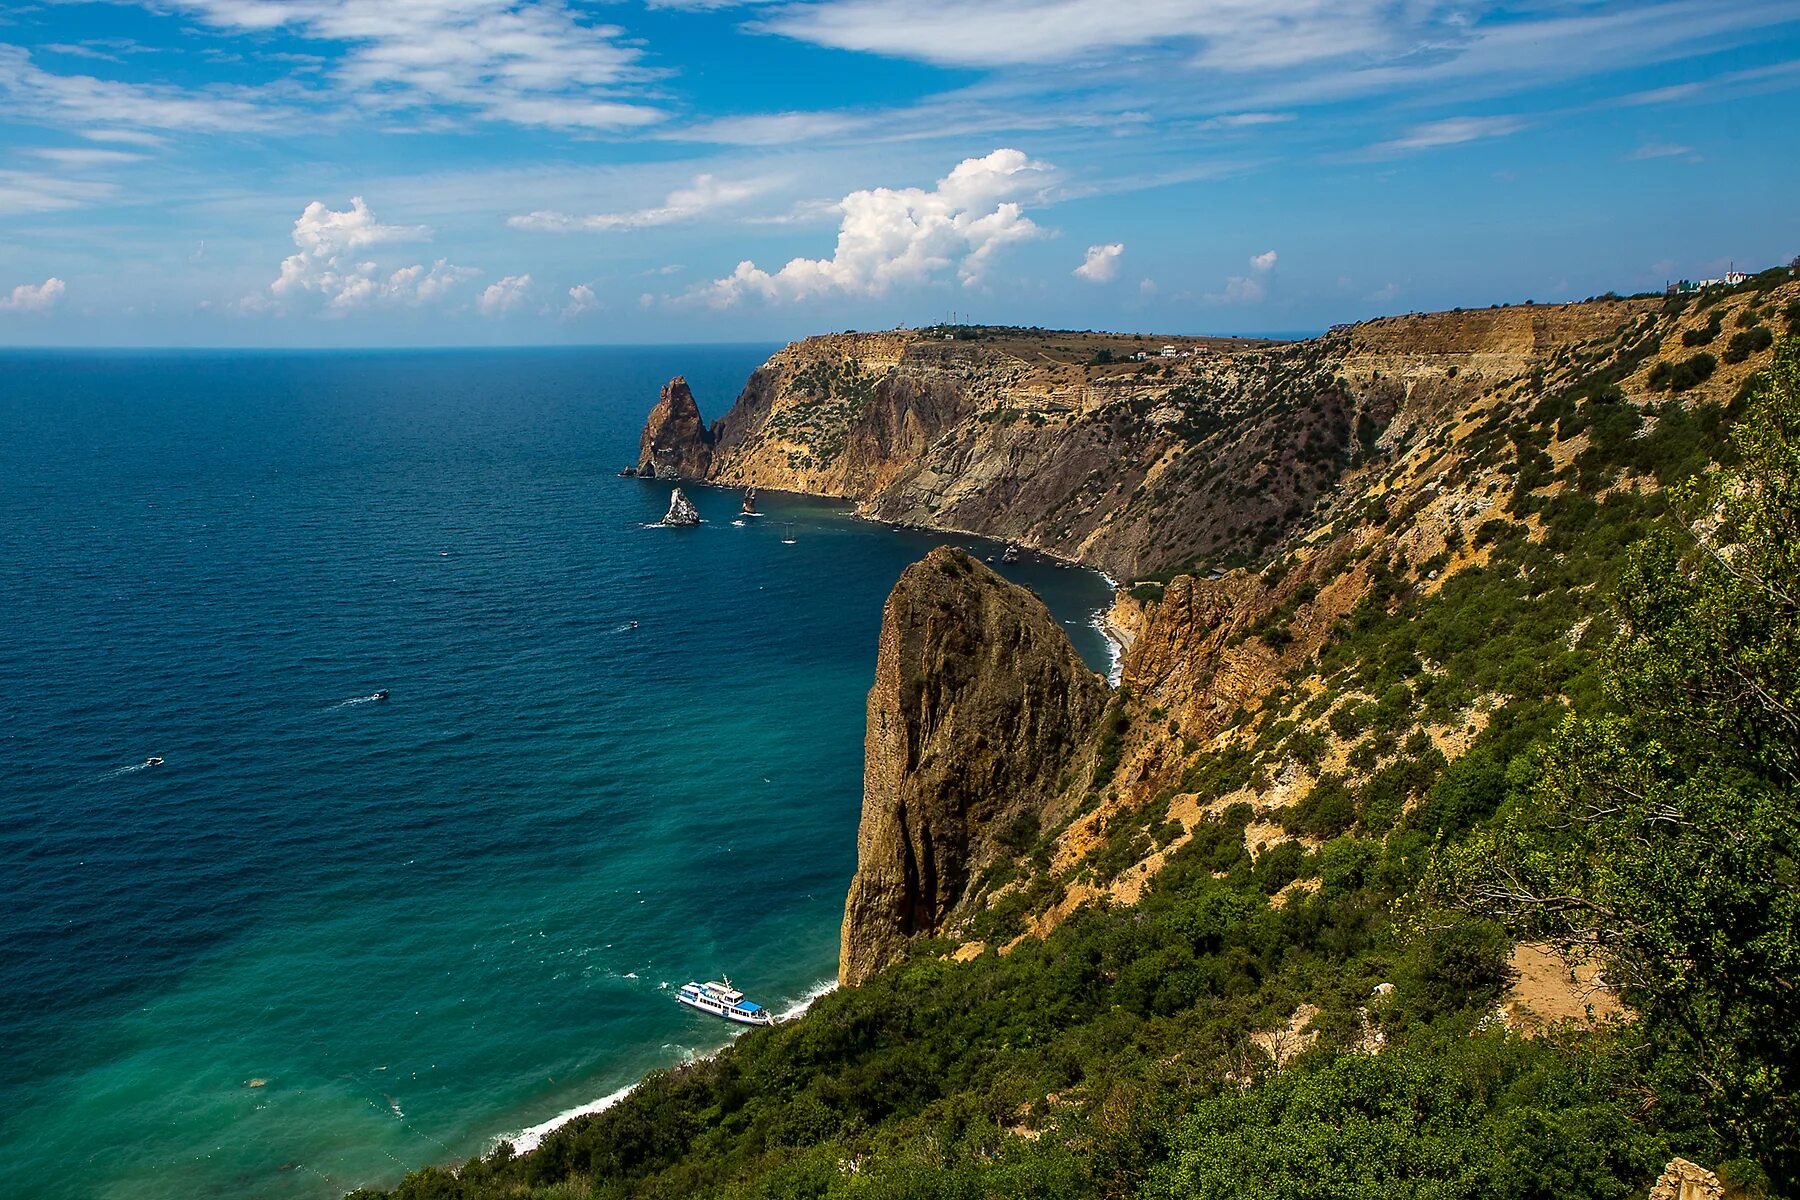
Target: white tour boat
(723, 1000)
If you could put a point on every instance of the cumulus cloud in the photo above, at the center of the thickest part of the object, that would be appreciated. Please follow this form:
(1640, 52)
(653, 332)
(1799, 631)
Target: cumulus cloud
(34, 297)
(1251, 288)
(502, 296)
(330, 262)
(705, 194)
(900, 236)
(1102, 262)
(581, 301)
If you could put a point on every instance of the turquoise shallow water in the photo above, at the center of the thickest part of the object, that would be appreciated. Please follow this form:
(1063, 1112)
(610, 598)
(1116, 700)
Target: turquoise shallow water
(439, 919)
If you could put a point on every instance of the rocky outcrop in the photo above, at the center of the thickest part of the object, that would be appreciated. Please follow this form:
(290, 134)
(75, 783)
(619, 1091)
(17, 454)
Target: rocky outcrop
(675, 443)
(681, 510)
(979, 703)
(1683, 1180)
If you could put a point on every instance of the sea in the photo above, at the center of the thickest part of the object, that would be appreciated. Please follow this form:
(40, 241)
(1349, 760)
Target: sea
(331, 937)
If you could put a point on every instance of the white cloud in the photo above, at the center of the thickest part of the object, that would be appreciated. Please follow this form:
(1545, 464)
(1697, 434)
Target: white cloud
(540, 63)
(1148, 287)
(1451, 131)
(85, 156)
(1658, 150)
(705, 194)
(1247, 289)
(1102, 262)
(84, 100)
(900, 236)
(1231, 34)
(33, 192)
(34, 297)
(504, 295)
(767, 129)
(581, 301)
(330, 262)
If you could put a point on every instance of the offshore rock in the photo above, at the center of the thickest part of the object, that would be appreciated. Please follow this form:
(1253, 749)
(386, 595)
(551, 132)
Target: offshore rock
(681, 511)
(675, 443)
(978, 705)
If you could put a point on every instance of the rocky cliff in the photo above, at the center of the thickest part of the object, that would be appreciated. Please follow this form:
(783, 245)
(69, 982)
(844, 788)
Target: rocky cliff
(1283, 500)
(979, 705)
(675, 443)
(1205, 455)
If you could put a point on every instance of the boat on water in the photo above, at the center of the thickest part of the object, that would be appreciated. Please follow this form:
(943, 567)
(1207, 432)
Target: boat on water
(380, 695)
(153, 762)
(1011, 553)
(722, 1000)
(787, 535)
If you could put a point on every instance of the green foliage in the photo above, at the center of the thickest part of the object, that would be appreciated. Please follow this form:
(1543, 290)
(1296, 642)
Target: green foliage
(1665, 836)
(1679, 377)
(1487, 1117)
(1750, 341)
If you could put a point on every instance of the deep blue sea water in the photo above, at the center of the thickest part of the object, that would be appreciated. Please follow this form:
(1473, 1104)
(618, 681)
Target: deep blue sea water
(430, 921)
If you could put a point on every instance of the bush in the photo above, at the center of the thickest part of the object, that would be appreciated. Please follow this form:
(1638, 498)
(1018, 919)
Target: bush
(1679, 377)
(1750, 341)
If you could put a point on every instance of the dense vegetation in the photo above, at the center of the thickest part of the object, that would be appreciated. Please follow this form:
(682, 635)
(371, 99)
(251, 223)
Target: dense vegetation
(1631, 792)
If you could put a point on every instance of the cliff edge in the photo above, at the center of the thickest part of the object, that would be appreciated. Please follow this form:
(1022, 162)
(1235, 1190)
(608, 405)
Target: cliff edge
(979, 703)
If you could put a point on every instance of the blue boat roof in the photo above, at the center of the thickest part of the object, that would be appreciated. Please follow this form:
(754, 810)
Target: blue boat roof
(746, 1006)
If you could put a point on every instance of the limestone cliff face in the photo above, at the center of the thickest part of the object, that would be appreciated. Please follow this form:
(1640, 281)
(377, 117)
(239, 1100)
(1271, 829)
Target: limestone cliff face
(1213, 456)
(979, 704)
(675, 443)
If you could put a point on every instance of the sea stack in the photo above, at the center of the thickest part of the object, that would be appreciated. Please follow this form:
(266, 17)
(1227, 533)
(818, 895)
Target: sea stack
(681, 511)
(675, 443)
(750, 502)
(979, 703)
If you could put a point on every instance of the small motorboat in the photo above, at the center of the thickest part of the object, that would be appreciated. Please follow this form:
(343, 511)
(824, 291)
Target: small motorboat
(381, 695)
(632, 625)
(153, 762)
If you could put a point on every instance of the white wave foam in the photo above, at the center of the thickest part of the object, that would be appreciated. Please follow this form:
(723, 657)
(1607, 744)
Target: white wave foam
(822, 988)
(531, 1137)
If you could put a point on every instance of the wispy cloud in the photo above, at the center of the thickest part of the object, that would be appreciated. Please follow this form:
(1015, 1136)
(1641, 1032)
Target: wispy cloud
(1658, 150)
(1451, 131)
(35, 192)
(85, 100)
(538, 63)
(704, 195)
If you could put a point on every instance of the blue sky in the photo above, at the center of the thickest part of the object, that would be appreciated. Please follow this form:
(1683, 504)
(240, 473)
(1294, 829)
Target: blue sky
(413, 172)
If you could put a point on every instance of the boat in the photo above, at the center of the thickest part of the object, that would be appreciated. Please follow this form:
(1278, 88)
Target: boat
(381, 695)
(1011, 553)
(787, 535)
(153, 762)
(749, 509)
(722, 1000)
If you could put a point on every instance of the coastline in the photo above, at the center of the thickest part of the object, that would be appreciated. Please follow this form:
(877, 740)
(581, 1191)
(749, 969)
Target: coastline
(532, 1136)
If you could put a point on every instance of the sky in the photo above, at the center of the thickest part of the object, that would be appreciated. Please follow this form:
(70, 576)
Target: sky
(496, 172)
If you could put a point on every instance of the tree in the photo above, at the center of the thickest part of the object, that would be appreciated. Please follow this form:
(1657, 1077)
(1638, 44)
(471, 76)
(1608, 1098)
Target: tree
(1663, 835)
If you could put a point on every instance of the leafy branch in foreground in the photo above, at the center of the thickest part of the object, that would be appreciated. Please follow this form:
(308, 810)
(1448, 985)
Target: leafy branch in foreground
(1663, 836)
